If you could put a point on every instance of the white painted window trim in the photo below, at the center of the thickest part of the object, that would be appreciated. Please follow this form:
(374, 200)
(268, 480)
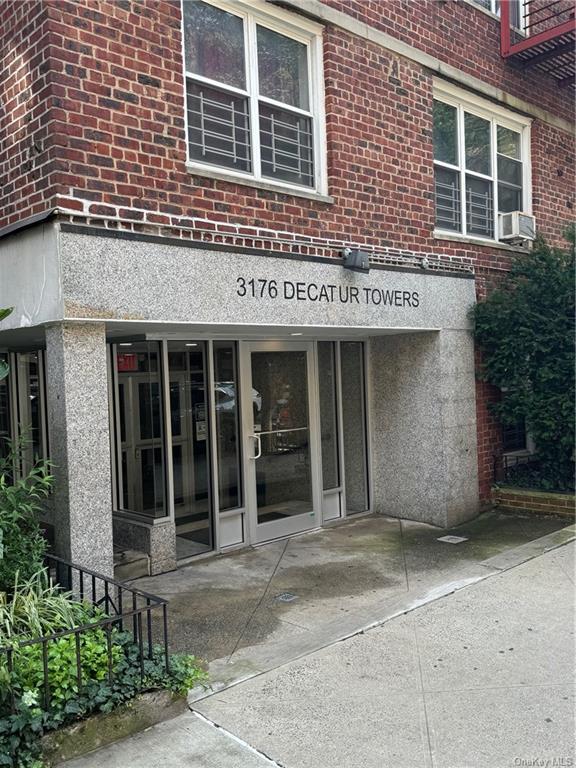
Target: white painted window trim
(298, 28)
(494, 12)
(465, 101)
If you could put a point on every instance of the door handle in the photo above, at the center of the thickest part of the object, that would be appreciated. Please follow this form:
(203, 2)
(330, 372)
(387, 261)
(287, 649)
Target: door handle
(259, 448)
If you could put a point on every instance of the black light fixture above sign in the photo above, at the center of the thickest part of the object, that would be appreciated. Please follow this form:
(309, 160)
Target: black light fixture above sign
(356, 260)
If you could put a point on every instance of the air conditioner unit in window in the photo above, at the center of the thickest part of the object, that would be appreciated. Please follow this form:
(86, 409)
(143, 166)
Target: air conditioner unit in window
(517, 226)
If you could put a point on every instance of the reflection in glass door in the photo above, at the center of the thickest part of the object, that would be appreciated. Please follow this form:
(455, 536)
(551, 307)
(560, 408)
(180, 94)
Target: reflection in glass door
(140, 430)
(30, 397)
(5, 410)
(227, 427)
(190, 447)
(330, 432)
(281, 440)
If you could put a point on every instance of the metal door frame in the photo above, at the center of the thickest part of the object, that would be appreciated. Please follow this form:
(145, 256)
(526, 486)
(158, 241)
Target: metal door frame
(262, 532)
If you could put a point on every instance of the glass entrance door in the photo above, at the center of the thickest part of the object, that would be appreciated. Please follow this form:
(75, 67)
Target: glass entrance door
(189, 421)
(280, 439)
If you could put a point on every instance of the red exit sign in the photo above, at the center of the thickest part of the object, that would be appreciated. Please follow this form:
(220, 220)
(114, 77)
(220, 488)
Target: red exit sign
(127, 361)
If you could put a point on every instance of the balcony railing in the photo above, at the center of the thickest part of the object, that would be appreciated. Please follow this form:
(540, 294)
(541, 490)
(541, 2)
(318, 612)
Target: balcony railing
(546, 38)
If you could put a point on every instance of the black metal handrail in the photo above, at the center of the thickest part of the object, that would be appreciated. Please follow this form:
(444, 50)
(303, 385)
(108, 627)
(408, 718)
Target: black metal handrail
(506, 465)
(126, 609)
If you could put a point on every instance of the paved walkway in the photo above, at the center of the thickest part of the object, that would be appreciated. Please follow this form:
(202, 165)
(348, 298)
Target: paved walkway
(482, 678)
(248, 612)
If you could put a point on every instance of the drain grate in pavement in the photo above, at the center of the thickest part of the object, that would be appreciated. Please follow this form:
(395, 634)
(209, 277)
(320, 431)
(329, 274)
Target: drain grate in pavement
(453, 539)
(285, 597)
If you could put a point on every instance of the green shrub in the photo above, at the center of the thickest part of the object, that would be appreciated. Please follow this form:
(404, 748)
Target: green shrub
(107, 679)
(37, 607)
(532, 476)
(525, 329)
(20, 732)
(22, 545)
(62, 666)
(30, 607)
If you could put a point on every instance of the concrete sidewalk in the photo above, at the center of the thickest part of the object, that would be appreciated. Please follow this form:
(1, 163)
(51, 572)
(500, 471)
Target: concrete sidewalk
(482, 678)
(247, 612)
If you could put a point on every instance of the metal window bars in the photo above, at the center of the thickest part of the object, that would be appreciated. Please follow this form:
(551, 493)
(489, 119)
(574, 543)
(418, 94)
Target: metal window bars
(219, 134)
(480, 212)
(514, 436)
(286, 145)
(447, 197)
(131, 610)
(218, 127)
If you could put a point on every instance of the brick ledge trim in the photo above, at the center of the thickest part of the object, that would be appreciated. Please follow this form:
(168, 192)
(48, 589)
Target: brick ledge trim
(122, 234)
(511, 491)
(215, 232)
(533, 502)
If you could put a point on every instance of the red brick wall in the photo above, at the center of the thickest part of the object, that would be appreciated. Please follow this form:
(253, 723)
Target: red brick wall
(542, 16)
(462, 35)
(28, 151)
(487, 425)
(114, 96)
(534, 502)
(553, 180)
(94, 123)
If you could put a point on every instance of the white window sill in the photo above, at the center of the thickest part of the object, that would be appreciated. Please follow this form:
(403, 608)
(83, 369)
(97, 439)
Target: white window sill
(524, 453)
(456, 238)
(247, 181)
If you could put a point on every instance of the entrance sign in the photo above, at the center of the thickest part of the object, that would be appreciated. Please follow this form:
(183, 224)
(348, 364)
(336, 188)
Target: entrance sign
(203, 287)
(330, 293)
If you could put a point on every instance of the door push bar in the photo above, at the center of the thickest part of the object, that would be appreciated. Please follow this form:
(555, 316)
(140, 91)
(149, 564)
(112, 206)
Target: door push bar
(259, 447)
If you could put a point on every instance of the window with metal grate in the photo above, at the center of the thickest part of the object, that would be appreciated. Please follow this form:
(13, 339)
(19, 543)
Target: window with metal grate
(254, 93)
(481, 165)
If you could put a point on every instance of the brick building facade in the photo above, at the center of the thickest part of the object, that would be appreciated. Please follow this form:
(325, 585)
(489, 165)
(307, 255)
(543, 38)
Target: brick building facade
(261, 133)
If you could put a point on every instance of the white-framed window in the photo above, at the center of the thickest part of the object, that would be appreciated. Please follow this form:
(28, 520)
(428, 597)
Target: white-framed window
(516, 10)
(254, 93)
(481, 164)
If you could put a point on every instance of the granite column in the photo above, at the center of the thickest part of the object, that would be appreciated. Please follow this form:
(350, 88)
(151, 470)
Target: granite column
(78, 425)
